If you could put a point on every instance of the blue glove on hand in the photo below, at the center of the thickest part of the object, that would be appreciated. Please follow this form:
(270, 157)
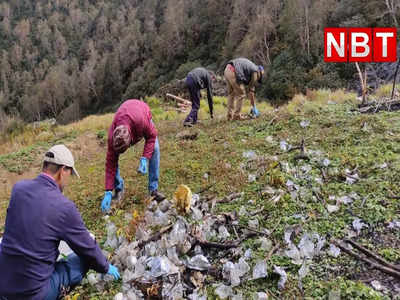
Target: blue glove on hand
(106, 203)
(143, 166)
(113, 271)
(254, 111)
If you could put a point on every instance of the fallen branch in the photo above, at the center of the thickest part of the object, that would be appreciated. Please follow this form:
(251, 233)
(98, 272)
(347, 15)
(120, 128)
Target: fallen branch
(272, 251)
(374, 265)
(250, 229)
(206, 188)
(372, 254)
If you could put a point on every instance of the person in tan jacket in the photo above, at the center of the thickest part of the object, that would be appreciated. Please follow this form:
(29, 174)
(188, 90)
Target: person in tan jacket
(241, 72)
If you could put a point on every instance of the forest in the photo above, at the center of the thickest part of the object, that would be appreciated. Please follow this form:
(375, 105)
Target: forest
(66, 59)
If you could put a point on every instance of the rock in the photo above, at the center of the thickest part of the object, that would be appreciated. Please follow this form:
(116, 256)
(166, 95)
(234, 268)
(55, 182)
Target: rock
(283, 277)
(198, 262)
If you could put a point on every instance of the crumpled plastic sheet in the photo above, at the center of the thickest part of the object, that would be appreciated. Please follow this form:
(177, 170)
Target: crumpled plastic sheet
(261, 296)
(303, 271)
(333, 251)
(223, 291)
(283, 277)
(305, 123)
(358, 225)
(250, 155)
(199, 263)
(260, 269)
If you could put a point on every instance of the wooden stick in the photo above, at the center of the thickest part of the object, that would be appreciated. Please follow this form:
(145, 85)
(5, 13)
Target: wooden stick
(178, 98)
(272, 251)
(374, 265)
(372, 254)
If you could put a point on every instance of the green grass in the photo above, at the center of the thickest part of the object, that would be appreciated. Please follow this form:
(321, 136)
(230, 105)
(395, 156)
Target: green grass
(349, 140)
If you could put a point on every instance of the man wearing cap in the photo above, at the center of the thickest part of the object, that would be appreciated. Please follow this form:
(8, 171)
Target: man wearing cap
(132, 122)
(240, 72)
(196, 80)
(39, 216)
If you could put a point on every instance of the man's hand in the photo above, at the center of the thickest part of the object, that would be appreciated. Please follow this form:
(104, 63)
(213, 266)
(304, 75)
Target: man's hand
(106, 203)
(143, 166)
(113, 271)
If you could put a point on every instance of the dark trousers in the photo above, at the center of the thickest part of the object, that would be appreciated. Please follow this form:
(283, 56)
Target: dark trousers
(194, 92)
(68, 273)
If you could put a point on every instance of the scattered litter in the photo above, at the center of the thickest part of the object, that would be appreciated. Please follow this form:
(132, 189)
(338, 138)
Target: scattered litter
(248, 254)
(345, 200)
(223, 291)
(305, 123)
(283, 277)
(394, 224)
(332, 208)
(260, 269)
(306, 247)
(326, 162)
(119, 296)
(358, 225)
(383, 166)
(260, 296)
(223, 233)
(377, 285)
(333, 251)
(266, 244)
(205, 176)
(252, 178)
(269, 139)
(284, 146)
(198, 262)
(303, 271)
(250, 155)
(253, 223)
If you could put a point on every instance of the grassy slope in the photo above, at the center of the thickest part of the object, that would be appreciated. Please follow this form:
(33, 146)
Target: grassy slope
(348, 140)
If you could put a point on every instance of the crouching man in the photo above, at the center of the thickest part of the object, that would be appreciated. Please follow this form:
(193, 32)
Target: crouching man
(38, 217)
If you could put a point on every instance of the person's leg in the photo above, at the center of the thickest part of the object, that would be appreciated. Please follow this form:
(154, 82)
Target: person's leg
(154, 168)
(241, 92)
(194, 98)
(228, 77)
(68, 273)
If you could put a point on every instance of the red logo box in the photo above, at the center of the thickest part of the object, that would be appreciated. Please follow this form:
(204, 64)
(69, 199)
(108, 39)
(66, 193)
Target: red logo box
(360, 45)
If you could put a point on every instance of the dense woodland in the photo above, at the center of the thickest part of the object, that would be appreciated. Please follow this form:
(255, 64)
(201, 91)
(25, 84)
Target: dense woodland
(68, 58)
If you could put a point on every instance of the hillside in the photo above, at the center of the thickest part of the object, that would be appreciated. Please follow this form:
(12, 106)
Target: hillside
(67, 59)
(350, 173)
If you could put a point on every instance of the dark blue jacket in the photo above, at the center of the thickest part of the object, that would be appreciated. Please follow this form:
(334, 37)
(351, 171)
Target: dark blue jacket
(38, 217)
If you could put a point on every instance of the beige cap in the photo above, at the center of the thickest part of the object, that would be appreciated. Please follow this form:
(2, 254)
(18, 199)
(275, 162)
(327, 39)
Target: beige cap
(62, 156)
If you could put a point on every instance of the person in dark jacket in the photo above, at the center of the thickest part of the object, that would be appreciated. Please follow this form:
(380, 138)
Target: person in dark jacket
(39, 216)
(241, 72)
(132, 122)
(196, 80)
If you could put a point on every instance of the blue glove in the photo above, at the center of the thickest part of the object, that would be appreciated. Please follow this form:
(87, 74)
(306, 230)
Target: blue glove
(120, 186)
(143, 166)
(113, 271)
(106, 203)
(254, 111)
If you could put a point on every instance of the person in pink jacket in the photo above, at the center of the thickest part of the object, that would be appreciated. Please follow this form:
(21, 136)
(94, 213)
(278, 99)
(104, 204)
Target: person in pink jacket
(131, 123)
